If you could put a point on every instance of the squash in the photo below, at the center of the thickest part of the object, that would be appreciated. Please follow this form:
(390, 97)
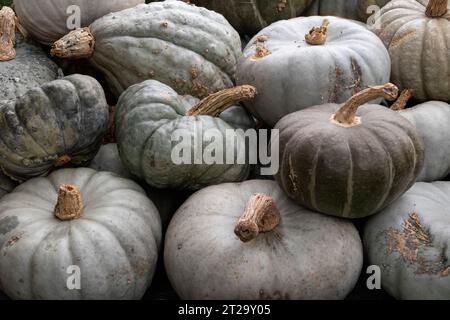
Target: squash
(108, 159)
(349, 160)
(48, 20)
(278, 250)
(22, 66)
(292, 71)
(363, 9)
(97, 221)
(432, 120)
(339, 8)
(150, 114)
(410, 242)
(63, 121)
(191, 49)
(6, 185)
(417, 36)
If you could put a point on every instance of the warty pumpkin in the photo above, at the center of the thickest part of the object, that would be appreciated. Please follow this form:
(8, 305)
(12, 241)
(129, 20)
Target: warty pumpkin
(349, 160)
(292, 71)
(191, 49)
(278, 250)
(148, 116)
(101, 223)
(47, 20)
(60, 122)
(410, 242)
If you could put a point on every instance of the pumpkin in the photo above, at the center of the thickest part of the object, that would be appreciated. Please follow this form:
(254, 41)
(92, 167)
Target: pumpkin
(49, 20)
(367, 9)
(97, 221)
(21, 67)
(432, 120)
(108, 159)
(340, 8)
(149, 117)
(6, 185)
(191, 49)
(292, 71)
(410, 242)
(349, 160)
(63, 121)
(278, 250)
(417, 35)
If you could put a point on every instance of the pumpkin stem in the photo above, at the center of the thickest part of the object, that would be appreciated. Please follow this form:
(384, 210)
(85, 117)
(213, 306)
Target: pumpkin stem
(346, 115)
(62, 161)
(437, 8)
(402, 101)
(318, 35)
(7, 34)
(69, 205)
(216, 103)
(260, 215)
(78, 44)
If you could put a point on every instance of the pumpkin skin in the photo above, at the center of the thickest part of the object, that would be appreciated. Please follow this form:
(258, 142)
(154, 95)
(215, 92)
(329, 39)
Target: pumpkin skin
(352, 58)
(190, 49)
(115, 242)
(418, 46)
(204, 259)
(6, 185)
(363, 6)
(30, 68)
(349, 171)
(63, 120)
(108, 159)
(46, 20)
(410, 242)
(147, 115)
(339, 8)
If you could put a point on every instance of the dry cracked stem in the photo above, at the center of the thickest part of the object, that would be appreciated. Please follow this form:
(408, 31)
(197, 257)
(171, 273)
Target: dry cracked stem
(78, 44)
(69, 205)
(437, 8)
(7, 34)
(318, 35)
(402, 101)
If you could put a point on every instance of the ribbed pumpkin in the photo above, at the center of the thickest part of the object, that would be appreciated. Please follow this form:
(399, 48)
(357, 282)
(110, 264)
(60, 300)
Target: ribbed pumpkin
(349, 160)
(291, 71)
(410, 242)
(417, 34)
(47, 20)
(278, 250)
(150, 114)
(191, 49)
(97, 221)
(63, 121)
(23, 64)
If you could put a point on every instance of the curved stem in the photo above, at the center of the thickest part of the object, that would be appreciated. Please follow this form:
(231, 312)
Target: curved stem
(7, 34)
(437, 8)
(69, 205)
(78, 44)
(216, 103)
(346, 115)
(318, 35)
(402, 101)
(260, 215)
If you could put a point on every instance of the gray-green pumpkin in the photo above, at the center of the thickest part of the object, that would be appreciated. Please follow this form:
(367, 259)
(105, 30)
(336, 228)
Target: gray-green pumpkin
(292, 72)
(152, 121)
(410, 242)
(63, 121)
(6, 185)
(349, 160)
(191, 49)
(98, 223)
(278, 250)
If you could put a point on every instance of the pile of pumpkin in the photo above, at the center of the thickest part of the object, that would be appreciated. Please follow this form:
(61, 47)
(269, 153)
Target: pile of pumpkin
(352, 147)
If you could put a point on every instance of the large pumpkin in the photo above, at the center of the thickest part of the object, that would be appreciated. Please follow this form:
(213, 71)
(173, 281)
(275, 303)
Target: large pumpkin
(150, 114)
(101, 223)
(48, 20)
(23, 65)
(292, 71)
(370, 9)
(278, 250)
(191, 49)
(349, 160)
(63, 121)
(410, 242)
(6, 185)
(417, 35)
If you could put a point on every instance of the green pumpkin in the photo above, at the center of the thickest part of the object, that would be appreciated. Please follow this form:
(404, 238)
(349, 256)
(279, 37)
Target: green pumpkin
(62, 121)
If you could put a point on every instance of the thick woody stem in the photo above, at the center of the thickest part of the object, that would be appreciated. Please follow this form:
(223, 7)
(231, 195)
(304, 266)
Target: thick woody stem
(78, 44)
(318, 35)
(7, 34)
(346, 115)
(216, 103)
(402, 101)
(437, 8)
(260, 215)
(69, 205)
(63, 160)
